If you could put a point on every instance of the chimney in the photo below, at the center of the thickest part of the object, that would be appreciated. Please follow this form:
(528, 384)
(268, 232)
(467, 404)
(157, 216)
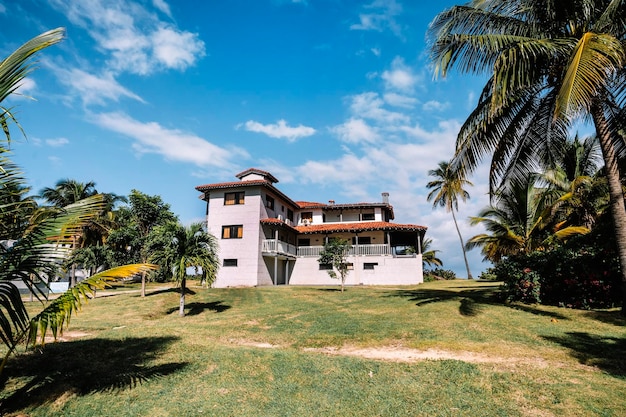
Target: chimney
(385, 198)
(331, 202)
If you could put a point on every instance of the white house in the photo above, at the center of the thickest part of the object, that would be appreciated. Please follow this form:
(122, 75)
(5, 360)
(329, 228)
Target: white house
(266, 238)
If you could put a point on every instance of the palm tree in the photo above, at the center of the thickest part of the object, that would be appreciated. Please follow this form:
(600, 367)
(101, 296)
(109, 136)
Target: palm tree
(68, 191)
(551, 63)
(447, 188)
(177, 248)
(519, 221)
(18, 66)
(429, 256)
(39, 238)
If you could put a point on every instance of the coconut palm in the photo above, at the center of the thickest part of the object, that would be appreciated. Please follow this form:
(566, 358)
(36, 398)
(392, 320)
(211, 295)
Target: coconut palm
(67, 191)
(38, 242)
(429, 256)
(519, 222)
(550, 63)
(18, 66)
(177, 248)
(447, 188)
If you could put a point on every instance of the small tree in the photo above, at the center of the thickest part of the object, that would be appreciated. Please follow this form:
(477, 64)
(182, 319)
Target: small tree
(334, 253)
(176, 247)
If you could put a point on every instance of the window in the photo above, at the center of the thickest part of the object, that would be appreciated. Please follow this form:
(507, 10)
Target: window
(231, 199)
(230, 262)
(326, 267)
(369, 265)
(367, 216)
(232, 232)
(269, 202)
(304, 242)
(306, 216)
(363, 240)
(290, 214)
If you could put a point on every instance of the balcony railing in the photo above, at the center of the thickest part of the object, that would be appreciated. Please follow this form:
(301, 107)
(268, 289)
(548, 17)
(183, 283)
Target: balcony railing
(278, 246)
(284, 248)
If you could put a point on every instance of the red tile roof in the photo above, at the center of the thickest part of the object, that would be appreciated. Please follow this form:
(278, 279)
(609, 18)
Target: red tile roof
(357, 227)
(346, 227)
(266, 174)
(231, 184)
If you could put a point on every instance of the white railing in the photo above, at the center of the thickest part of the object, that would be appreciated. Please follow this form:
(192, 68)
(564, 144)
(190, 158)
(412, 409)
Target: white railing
(278, 246)
(380, 249)
(365, 250)
(308, 251)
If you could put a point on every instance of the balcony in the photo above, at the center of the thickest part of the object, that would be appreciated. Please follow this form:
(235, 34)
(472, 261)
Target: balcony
(272, 246)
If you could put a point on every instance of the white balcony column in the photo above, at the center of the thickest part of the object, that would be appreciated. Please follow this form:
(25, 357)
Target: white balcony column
(419, 243)
(275, 280)
(287, 272)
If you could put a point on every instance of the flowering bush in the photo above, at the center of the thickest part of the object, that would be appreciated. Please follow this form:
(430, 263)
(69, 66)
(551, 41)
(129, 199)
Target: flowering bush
(576, 278)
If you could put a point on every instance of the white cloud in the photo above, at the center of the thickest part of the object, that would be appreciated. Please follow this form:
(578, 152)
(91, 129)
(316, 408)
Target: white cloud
(370, 106)
(3, 8)
(162, 6)
(400, 77)
(173, 144)
(356, 131)
(135, 40)
(94, 89)
(375, 51)
(176, 49)
(280, 130)
(57, 142)
(400, 100)
(26, 88)
(433, 105)
(381, 15)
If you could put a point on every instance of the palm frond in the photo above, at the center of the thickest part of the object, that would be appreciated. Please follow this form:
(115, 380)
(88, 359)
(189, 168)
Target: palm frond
(18, 65)
(57, 315)
(595, 56)
(13, 316)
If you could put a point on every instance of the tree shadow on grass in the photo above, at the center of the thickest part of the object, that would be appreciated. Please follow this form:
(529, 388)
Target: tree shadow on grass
(471, 299)
(82, 367)
(605, 353)
(610, 317)
(172, 289)
(193, 309)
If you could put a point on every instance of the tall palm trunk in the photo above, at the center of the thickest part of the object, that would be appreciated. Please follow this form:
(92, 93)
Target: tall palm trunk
(618, 208)
(181, 308)
(469, 274)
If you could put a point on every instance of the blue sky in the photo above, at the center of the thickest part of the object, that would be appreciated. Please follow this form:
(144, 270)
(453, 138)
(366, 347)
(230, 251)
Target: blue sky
(336, 98)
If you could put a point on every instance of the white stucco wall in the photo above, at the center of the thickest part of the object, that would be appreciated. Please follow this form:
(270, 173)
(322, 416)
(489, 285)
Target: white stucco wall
(246, 249)
(389, 271)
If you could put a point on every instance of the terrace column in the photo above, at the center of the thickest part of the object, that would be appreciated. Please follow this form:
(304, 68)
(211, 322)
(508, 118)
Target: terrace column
(275, 280)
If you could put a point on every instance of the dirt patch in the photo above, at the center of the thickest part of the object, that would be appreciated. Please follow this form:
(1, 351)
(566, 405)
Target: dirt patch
(251, 343)
(400, 354)
(66, 336)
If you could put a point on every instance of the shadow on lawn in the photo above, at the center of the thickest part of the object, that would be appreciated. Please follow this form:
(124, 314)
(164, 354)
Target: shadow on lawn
(471, 299)
(193, 309)
(82, 367)
(605, 353)
(176, 290)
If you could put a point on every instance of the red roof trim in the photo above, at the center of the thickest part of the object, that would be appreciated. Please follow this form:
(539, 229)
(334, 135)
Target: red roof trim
(266, 174)
(347, 227)
(358, 227)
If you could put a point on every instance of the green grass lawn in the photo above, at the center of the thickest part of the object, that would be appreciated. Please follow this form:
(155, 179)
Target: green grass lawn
(438, 349)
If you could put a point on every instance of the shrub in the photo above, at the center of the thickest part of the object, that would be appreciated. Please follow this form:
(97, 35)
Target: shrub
(582, 277)
(437, 274)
